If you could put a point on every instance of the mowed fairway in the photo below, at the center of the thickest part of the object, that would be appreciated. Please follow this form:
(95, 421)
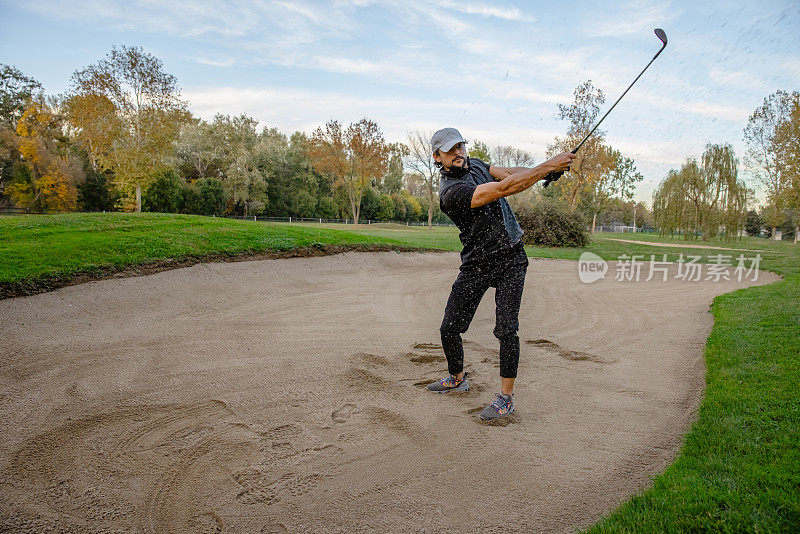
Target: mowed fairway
(287, 394)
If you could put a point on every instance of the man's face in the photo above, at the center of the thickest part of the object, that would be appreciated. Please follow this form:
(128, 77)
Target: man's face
(455, 157)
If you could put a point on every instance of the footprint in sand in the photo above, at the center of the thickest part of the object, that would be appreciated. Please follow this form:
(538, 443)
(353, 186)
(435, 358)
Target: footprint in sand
(573, 355)
(258, 488)
(425, 358)
(274, 528)
(505, 421)
(208, 522)
(429, 353)
(373, 359)
(344, 412)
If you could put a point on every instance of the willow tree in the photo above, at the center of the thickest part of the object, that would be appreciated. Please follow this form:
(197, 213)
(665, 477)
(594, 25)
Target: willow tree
(724, 198)
(702, 197)
(142, 110)
(670, 204)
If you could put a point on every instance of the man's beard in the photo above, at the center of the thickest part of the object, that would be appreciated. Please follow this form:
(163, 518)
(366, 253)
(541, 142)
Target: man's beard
(457, 171)
(464, 165)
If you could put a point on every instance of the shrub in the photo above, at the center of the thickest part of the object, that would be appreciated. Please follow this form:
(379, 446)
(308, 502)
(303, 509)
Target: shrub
(549, 223)
(326, 207)
(212, 195)
(386, 208)
(165, 193)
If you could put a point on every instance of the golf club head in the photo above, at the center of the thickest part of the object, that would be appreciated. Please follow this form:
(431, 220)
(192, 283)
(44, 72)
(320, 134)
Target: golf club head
(661, 35)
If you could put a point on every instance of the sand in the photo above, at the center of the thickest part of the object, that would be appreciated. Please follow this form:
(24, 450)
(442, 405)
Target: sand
(288, 396)
(681, 245)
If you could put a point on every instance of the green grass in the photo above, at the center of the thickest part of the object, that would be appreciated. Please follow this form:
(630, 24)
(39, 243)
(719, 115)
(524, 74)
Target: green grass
(40, 246)
(739, 468)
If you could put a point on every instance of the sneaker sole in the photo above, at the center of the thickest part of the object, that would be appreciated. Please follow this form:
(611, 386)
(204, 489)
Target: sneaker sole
(463, 387)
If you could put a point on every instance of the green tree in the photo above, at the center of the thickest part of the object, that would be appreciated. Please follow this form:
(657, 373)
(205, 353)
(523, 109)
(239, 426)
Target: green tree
(212, 195)
(17, 91)
(94, 193)
(392, 180)
(326, 207)
(370, 204)
(198, 149)
(385, 208)
(703, 198)
(164, 194)
(303, 203)
(766, 152)
(191, 201)
(147, 116)
(753, 223)
(724, 197)
(399, 207)
(246, 184)
(787, 139)
(413, 207)
(480, 150)
(619, 180)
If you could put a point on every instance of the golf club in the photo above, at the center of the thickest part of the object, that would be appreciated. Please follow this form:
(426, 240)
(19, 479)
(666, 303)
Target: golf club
(553, 176)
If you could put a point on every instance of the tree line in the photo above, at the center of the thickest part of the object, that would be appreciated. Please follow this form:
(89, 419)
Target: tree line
(706, 198)
(122, 138)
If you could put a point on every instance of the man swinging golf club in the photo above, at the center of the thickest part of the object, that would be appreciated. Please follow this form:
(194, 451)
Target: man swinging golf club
(471, 193)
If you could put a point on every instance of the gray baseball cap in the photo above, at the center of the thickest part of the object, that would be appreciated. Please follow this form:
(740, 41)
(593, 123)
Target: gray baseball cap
(445, 139)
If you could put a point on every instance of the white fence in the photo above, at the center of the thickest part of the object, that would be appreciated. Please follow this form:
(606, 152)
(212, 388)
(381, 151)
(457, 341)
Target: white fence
(322, 220)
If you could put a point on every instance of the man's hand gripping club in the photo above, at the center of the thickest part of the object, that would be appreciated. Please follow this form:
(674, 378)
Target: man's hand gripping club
(553, 176)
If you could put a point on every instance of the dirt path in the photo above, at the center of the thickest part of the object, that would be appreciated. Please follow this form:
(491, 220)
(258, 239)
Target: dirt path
(680, 245)
(287, 395)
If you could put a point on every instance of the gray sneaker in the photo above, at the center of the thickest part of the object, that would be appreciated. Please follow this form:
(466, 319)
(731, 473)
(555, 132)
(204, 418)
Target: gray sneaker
(449, 384)
(503, 406)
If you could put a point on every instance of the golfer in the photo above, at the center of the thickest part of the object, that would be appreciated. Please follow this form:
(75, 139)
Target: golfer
(471, 193)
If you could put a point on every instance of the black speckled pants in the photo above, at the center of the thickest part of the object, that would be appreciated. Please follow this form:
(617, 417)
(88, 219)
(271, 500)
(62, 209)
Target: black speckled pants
(506, 273)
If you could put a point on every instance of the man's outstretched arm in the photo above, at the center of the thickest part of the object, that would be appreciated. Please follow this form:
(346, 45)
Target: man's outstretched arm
(511, 183)
(501, 173)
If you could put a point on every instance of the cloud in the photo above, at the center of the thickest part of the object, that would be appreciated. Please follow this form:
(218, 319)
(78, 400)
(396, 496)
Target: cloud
(736, 78)
(228, 62)
(487, 10)
(632, 18)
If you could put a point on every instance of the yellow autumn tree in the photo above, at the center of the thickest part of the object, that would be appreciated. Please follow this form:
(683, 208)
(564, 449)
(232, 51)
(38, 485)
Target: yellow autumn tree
(128, 112)
(351, 158)
(49, 175)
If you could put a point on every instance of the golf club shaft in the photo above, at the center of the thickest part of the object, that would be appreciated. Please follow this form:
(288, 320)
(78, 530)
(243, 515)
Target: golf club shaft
(553, 176)
(617, 102)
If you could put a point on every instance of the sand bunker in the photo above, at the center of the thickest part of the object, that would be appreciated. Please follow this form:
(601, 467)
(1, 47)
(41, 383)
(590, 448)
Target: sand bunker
(288, 396)
(680, 245)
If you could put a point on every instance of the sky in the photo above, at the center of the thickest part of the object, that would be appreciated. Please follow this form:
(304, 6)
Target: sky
(494, 70)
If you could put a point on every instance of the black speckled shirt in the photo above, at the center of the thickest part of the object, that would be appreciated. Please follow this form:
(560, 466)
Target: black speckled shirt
(485, 231)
